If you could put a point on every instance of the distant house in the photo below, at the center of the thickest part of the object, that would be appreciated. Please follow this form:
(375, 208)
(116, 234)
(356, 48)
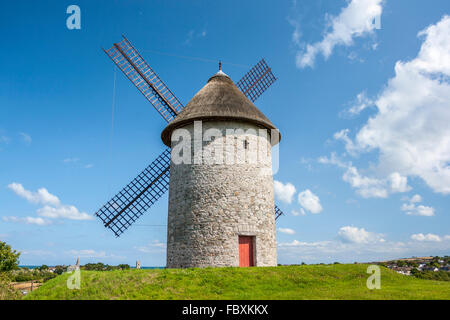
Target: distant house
(406, 273)
(428, 268)
(403, 270)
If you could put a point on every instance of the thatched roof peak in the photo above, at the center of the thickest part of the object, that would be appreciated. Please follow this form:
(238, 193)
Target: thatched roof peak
(219, 99)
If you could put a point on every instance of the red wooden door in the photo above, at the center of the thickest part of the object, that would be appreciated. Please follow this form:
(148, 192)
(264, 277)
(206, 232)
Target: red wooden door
(246, 251)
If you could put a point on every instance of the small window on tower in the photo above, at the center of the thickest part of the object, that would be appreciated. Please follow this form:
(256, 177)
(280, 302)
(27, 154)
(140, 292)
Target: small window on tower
(246, 143)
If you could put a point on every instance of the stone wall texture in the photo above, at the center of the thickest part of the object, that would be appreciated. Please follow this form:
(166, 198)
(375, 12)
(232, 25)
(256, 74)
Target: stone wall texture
(218, 194)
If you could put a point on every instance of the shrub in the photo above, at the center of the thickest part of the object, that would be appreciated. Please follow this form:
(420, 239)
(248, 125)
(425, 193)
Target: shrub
(7, 292)
(24, 274)
(431, 275)
(104, 267)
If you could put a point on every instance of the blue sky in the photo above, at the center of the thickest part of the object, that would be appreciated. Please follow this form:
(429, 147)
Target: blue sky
(363, 109)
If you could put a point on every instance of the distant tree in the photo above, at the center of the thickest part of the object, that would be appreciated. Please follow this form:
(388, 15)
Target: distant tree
(60, 269)
(124, 266)
(401, 263)
(336, 262)
(98, 267)
(95, 266)
(436, 265)
(303, 263)
(44, 267)
(9, 259)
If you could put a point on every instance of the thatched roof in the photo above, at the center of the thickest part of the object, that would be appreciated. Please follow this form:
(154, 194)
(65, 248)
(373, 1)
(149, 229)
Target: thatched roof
(219, 99)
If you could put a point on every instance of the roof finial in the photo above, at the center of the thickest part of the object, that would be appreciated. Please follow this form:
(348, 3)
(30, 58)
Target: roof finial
(220, 72)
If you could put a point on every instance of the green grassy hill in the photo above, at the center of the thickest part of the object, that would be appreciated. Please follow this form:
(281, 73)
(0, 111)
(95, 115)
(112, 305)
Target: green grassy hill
(338, 281)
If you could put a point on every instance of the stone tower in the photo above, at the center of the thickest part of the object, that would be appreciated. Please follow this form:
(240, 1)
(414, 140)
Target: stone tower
(221, 202)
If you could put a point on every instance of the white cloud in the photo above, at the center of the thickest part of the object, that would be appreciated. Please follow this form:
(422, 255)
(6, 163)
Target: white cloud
(355, 20)
(309, 201)
(347, 252)
(417, 210)
(26, 137)
(411, 127)
(366, 187)
(359, 245)
(416, 198)
(343, 136)
(194, 34)
(426, 237)
(284, 192)
(154, 246)
(88, 253)
(34, 253)
(71, 160)
(63, 211)
(358, 235)
(53, 208)
(27, 220)
(286, 230)
(296, 243)
(74, 161)
(361, 103)
(4, 139)
(420, 210)
(91, 253)
(42, 196)
(299, 213)
(296, 35)
(398, 182)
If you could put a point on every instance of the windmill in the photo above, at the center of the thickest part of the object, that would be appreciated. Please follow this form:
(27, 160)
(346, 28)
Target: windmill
(143, 191)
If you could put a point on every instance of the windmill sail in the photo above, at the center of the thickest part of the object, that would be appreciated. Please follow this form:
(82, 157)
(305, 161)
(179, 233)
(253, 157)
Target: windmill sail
(256, 80)
(143, 191)
(278, 212)
(135, 199)
(128, 59)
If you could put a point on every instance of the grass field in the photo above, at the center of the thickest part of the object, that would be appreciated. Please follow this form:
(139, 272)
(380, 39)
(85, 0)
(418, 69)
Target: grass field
(338, 281)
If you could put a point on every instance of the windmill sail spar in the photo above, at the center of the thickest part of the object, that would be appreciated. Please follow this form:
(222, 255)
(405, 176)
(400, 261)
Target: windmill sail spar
(128, 59)
(141, 193)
